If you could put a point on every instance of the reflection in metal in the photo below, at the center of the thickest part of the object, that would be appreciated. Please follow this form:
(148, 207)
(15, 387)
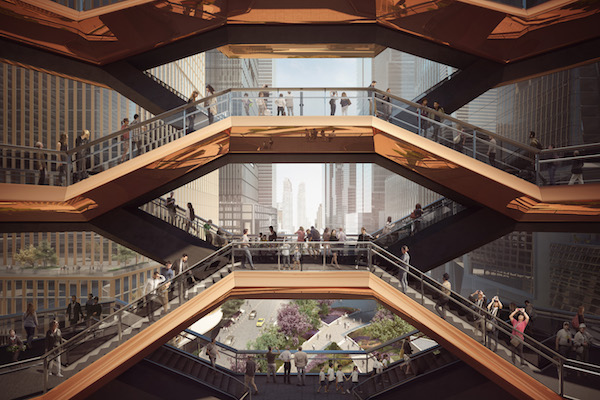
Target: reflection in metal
(173, 147)
(106, 34)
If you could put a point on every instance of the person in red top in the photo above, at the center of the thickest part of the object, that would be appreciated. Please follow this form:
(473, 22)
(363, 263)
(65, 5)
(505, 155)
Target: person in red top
(519, 323)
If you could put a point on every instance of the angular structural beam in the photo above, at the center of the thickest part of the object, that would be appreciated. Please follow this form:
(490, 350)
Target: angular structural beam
(323, 284)
(359, 136)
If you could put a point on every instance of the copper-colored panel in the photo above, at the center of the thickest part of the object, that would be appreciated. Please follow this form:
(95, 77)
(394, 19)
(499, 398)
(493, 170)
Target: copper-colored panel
(318, 50)
(306, 284)
(489, 30)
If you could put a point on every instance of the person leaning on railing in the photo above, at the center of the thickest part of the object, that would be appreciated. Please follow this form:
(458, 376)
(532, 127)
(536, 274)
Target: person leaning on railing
(517, 337)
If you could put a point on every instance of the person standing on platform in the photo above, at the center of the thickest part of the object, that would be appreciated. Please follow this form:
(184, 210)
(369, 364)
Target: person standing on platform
(289, 104)
(491, 153)
(30, 323)
(171, 207)
(301, 359)
(286, 357)
(444, 297)
(519, 323)
(405, 258)
(280, 103)
(181, 264)
(74, 311)
(212, 351)
(271, 364)
(249, 374)
(563, 340)
(246, 249)
(191, 112)
(150, 291)
(54, 340)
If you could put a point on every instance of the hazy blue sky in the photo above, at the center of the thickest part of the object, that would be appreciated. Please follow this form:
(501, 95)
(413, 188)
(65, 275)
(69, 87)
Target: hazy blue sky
(311, 72)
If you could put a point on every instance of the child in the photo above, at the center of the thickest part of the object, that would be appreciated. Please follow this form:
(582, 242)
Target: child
(378, 370)
(297, 256)
(321, 379)
(339, 377)
(330, 376)
(285, 253)
(353, 378)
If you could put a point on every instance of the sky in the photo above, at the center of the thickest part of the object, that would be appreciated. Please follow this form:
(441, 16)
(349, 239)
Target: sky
(313, 72)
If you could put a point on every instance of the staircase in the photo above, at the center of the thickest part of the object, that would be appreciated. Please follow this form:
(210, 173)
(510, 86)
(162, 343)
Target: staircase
(198, 370)
(400, 372)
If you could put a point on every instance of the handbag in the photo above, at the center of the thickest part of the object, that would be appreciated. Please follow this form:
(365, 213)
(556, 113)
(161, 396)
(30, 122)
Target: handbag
(515, 341)
(489, 326)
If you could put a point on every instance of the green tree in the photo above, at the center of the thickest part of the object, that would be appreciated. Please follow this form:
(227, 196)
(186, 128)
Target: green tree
(311, 309)
(271, 336)
(230, 307)
(27, 256)
(386, 326)
(46, 254)
(124, 254)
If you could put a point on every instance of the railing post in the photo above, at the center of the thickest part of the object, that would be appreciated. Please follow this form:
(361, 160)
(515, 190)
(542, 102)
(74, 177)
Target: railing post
(537, 169)
(69, 168)
(45, 379)
(475, 144)
(119, 326)
(181, 291)
(230, 102)
(233, 265)
(184, 122)
(422, 290)
(561, 377)
(301, 103)
(369, 260)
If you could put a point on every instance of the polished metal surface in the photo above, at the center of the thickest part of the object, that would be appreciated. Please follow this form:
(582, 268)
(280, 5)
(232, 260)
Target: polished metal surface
(332, 136)
(102, 35)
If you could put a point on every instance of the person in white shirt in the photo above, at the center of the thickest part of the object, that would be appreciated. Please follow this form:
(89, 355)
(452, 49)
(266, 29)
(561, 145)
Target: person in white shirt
(581, 343)
(280, 103)
(286, 357)
(378, 370)
(330, 376)
(150, 291)
(405, 257)
(339, 379)
(289, 103)
(285, 256)
(353, 378)
(321, 379)
(246, 247)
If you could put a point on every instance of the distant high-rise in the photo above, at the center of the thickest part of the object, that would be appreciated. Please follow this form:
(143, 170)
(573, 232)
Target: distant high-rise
(265, 72)
(267, 187)
(287, 207)
(320, 221)
(301, 219)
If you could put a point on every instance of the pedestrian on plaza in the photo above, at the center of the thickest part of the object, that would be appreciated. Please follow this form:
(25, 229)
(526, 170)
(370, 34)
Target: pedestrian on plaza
(15, 345)
(332, 102)
(171, 207)
(245, 245)
(250, 373)
(280, 103)
(247, 103)
(97, 309)
(322, 381)
(480, 301)
(491, 152)
(286, 357)
(212, 351)
(404, 265)
(333, 237)
(576, 170)
(339, 379)
(181, 265)
(582, 343)
(330, 376)
(493, 307)
(353, 379)
(301, 359)
(54, 340)
(211, 104)
(579, 318)
(74, 311)
(41, 163)
(416, 218)
(191, 112)
(190, 216)
(150, 291)
(30, 323)
(519, 323)
(345, 103)
(423, 112)
(88, 306)
(289, 104)
(438, 118)
(63, 147)
(125, 139)
(137, 139)
(271, 364)
(563, 340)
(82, 154)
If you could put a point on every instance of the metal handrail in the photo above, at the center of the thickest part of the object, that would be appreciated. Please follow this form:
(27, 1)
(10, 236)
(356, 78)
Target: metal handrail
(62, 348)
(472, 307)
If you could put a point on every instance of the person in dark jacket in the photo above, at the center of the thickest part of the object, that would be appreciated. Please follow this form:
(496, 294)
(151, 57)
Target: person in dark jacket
(74, 311)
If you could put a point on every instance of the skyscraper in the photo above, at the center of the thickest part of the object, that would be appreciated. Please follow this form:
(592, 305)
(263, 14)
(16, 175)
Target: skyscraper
(287, 207)
(301, 219)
